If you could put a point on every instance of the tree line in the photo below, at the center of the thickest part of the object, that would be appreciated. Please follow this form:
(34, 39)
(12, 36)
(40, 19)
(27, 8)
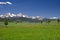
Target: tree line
(41, 21)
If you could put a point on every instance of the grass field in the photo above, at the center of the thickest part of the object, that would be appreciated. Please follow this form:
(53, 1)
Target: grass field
(30, 31)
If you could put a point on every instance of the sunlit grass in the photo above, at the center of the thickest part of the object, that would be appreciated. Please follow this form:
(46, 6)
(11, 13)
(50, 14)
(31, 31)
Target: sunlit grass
(30, 31)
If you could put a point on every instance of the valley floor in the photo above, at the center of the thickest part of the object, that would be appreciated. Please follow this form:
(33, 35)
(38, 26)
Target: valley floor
(30, 31)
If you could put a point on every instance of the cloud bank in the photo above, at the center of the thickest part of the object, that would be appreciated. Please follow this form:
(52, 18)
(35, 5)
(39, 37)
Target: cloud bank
(5, 3)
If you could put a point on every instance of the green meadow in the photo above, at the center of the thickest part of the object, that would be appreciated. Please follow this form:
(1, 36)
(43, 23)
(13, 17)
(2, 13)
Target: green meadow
(30, 31)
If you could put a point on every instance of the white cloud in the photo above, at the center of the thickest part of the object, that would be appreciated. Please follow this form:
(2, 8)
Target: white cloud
(5, 3)
(54, 18)
(8, 2)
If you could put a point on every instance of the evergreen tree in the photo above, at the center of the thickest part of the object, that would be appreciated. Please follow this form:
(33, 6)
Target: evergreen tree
(41, 21)
(48, 21)
(6, 22)
(58, 20)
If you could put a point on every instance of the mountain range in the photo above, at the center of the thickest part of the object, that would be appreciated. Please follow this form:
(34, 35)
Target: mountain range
(7, 15)
(23, 17)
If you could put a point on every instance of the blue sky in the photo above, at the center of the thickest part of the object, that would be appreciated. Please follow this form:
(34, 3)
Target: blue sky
(45, 8)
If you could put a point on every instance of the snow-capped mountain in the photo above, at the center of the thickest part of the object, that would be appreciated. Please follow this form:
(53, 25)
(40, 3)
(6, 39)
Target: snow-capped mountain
(20, 15)
(7, 15)
(24, 18)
